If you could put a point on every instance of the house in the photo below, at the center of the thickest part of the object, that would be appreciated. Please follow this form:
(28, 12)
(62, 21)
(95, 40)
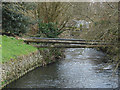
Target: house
(82, 23)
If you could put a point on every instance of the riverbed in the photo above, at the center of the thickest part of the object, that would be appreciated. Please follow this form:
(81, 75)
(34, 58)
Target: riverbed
(81, 68)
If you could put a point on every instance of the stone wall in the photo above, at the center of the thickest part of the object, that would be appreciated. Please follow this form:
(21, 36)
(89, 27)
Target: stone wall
(15, 68)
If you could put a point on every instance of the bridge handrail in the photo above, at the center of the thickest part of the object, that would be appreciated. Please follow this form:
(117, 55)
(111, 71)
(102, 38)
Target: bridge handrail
(38, 38)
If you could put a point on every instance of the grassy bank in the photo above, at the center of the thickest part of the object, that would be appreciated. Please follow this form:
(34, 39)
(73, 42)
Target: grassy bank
(18, 58)
(11, 48)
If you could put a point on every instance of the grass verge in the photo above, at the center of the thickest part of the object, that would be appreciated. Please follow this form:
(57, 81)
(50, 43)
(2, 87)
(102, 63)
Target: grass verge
(12, 48)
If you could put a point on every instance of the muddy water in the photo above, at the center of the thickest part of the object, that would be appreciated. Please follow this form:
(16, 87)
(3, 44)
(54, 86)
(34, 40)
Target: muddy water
(81, 68)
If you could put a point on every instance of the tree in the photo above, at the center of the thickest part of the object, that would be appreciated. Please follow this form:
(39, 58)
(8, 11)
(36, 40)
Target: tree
(15, 18)
(53, 13)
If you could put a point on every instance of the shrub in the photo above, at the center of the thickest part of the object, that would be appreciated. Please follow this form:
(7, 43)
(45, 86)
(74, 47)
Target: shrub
(12, 21)
(50, 29)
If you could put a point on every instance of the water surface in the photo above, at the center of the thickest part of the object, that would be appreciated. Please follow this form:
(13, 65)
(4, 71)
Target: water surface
(81, 68)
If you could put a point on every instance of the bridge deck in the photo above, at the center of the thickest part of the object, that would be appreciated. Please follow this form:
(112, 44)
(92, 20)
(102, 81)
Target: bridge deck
(64, 41)
(71, 46)
(73, 43)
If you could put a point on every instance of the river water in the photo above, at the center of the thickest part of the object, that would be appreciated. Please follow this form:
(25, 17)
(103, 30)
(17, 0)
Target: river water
(81, 68)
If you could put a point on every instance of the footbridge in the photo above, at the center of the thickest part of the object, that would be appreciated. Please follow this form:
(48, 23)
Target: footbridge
(65, 43)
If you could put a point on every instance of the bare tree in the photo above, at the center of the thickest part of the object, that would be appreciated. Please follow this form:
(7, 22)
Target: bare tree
(59, 12)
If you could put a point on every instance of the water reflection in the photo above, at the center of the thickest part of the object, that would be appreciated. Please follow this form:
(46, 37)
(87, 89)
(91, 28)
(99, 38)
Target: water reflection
(80, 69)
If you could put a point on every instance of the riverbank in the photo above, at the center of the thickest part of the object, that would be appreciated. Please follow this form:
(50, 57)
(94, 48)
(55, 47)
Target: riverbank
(16, 57)
(14, 69)
(22, 58)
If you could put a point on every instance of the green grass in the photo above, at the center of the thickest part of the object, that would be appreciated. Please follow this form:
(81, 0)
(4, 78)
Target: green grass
(12, 48)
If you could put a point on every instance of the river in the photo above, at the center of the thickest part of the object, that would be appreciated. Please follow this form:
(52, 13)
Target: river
(81, 68)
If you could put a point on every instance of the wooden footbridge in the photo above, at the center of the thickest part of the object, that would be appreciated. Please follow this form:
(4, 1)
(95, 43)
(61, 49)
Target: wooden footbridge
(65, 43)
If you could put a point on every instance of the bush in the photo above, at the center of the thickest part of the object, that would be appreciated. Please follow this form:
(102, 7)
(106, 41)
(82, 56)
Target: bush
(50, 29)
(14, 22)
